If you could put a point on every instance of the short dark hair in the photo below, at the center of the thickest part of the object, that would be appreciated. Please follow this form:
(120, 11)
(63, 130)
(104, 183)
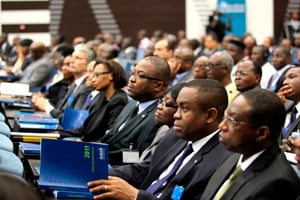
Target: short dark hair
(237, 43)
(65, 49)
(266, 109)
(174, 90)
(25, 42)
(162, 68)
(213, 94)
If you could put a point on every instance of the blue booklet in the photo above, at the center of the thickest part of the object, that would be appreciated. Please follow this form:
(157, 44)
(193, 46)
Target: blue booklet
(72, 195)
(30, 148)
(73, 118)
(69, 165)
(32, 120)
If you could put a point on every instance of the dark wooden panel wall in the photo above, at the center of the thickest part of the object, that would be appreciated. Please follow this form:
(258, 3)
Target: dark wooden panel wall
(168, 15)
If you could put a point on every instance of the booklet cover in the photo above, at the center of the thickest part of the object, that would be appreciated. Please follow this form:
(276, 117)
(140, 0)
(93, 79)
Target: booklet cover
(69, 165)
(32, 120)
(29, 148)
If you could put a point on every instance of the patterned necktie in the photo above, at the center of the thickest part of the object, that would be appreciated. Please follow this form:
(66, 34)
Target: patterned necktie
(228, 183)
(286, 129)
(154, 188)
(87, 101)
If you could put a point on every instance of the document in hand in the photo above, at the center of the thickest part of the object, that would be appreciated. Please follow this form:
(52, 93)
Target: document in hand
(69, 165)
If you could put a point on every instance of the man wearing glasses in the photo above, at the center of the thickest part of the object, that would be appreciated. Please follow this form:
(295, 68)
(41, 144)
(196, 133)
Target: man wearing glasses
(219, 68)
(258, 169)
(247, 75)
(135, 127)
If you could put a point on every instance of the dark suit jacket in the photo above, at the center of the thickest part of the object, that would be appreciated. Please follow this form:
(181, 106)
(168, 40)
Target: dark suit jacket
(279, 82)
(193, 176)
(102, 115)
(139, 132)
(80, 96)
(57, 91)
(268, 177)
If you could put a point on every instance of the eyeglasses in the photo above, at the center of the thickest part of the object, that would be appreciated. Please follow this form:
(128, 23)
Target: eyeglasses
(233, 121)
(97, 74)
(166, 104)
(241, 73)
(200, 66)
(143, 76)
(214, 66)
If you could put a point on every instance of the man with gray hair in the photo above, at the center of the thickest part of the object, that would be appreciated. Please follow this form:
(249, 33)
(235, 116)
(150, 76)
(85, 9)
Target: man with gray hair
(78, 91)
(219, 67)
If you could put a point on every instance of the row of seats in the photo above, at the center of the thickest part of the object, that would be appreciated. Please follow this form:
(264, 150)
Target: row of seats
(9, 161)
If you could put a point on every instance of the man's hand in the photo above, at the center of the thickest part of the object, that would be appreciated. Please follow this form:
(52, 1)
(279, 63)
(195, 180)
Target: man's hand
(283, 91)
(113, 188)
(39, 102)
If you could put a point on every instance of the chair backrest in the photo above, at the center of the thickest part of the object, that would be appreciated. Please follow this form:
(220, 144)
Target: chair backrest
(11, 163)
(6, 144)
(15, 187)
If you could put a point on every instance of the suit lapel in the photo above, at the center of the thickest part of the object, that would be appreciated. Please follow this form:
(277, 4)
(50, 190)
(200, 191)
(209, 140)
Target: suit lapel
(197, 157)
(132, 123)
(256, 167)
(293, 127)
(164, 161)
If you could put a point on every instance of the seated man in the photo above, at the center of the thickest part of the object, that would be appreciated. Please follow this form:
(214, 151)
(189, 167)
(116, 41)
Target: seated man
(201, 104)
(135, 126)
(247, 75)
(258, 170)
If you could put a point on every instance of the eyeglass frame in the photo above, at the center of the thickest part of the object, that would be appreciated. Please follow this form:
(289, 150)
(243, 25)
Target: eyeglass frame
(98, 74)
(142, 76)
(214, 66)
(233, 121)
(241, 73)
(166, 104)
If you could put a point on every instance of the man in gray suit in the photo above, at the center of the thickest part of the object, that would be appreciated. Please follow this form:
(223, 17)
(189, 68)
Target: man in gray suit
(38, 73)
(78, 91)
(251, 127)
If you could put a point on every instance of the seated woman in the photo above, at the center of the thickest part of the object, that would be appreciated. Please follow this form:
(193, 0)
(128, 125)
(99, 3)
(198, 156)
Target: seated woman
(109, 78)
(166, 108)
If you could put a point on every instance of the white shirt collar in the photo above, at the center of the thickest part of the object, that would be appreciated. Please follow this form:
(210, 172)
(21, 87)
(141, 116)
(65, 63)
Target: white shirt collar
(246, 163)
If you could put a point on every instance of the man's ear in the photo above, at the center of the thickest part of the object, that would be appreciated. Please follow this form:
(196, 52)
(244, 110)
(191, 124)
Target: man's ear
(263, 133)
(159, 86)
(212, 114)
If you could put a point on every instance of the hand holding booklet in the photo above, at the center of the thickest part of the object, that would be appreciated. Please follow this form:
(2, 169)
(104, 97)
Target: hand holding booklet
(66, 166)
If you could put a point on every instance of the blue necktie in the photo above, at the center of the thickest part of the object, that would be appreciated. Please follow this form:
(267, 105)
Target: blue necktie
(71, 95)
(286, 129)
(156, 186)
(272, 85)
(87, 101)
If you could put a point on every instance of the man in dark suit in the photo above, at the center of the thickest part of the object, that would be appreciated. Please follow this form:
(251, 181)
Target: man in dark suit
(291, 91)
(281, 59)
(146, 85)
(201, 104)
(251, 127)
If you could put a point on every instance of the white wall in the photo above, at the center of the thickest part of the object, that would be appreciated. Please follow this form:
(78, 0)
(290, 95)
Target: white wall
(260, 21)
(259, 18)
